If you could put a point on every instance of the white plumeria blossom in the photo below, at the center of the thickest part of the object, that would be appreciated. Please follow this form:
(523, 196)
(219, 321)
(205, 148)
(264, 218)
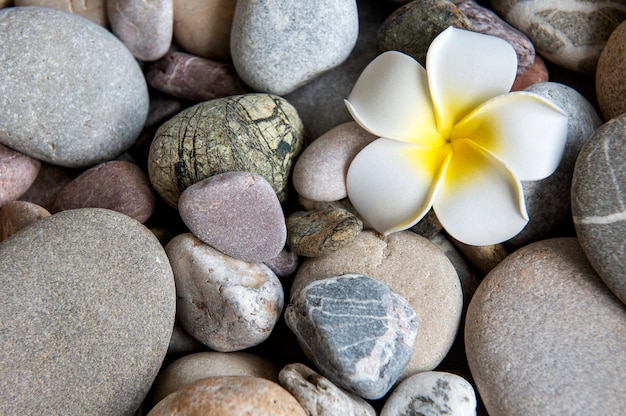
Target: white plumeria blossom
(452, 137)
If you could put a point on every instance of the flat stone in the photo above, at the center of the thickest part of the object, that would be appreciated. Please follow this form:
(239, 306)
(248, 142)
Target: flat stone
(544, 335)
(94, 10)
(598, 201)
(278, 46)
(144, 26)
(93, 77)
(225, 303)
(87, 310)
(236, 213)
(610, 84)
(319, 232)
(259, 133)
(18, 173)
(433, 393)
(229, 396)
(194, 367)
(319, 396)
(356, 330)
(15, 215)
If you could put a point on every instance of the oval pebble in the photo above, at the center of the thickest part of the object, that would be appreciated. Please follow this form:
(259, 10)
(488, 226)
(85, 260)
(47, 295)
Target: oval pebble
(93, 77)
(94, 10)
(610, 83)
(236, 213)
(225, 303)
(87, 310)
(17, 173)
(544, 335)
(285, 264)
(259, 133)
(15, 215)
(117, 185)
(319, 232)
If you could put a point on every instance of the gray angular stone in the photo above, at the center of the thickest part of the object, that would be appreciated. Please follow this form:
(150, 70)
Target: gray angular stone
(599, 203)
(87, 304)
(71, 93)
(356, 330)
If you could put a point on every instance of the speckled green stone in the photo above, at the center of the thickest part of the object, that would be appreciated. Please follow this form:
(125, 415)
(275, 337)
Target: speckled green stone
(259, 133)
(321, 231)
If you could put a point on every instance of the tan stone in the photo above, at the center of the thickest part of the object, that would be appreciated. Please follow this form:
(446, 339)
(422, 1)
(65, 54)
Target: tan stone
(94, 10)
(15, 215)
(610, 81)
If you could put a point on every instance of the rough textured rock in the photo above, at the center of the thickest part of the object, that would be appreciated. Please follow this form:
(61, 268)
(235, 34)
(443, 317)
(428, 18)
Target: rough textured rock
(93, 77)
(544, 335)
(16, 215)
(278, 46)
(94, 10)
(86, 312)
(356, 330)
(599, 203)
(229, 396)
(259, 133)
(319, 396)
(610, 83)
(225, 303)
(17, 173)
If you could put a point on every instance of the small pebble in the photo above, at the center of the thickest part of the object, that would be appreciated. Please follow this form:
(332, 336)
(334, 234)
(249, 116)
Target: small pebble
(117, 185)
(319, 396)
(236, 213)
(429, 226)
(432, 393)
(285, 264)
(49, 182)
(193, 78)
(225, 303)
(229, 396)
(182, 343)
(162, 108)
(94, 10)
(319, 232)
(15, 215)
(482, 258)
(537, 73)
(610, 83)
(17, 173)
(356, 330)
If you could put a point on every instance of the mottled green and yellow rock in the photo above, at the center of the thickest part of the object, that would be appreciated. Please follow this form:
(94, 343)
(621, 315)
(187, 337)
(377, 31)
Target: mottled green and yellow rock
(260, 133)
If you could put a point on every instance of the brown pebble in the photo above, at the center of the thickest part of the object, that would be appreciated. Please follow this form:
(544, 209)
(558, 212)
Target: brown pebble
(610, 80)
(482, 258)
(17, 174)
(49, 182)
(15, 215)
(94, 10)
(537, 73)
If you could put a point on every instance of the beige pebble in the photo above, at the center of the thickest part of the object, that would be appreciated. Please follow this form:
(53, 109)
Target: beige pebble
(610, 81)
(94, 10)
(16, 215)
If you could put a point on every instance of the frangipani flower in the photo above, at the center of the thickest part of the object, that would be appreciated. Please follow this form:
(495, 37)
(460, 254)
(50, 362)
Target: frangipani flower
(455, 140)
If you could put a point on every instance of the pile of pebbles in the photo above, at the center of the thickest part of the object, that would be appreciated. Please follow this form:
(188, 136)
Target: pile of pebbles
(176, 238)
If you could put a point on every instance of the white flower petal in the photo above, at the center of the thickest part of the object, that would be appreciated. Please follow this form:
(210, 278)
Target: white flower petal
(391, 99)
(522, 129)
(480, 202)
(466, 69)
(392, 184)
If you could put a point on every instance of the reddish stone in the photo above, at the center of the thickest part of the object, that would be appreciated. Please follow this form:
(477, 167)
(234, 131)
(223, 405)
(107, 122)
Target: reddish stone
(537, 73)
(17, 174)
(15, 215)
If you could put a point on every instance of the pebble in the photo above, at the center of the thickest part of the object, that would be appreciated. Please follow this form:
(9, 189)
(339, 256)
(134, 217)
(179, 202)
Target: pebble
(117, 185)
(162, 108)
(259, 133)
(202, 27)
(285, 264)
(320, 172)
(194, 367)
(482, 258)
(432, 393)
(145, 26)
(15, 215)
(236, 213)
(538, 72)
(610, 84)
(569, 33)
(414, 268)
(278, 46)
(429, 226)
(356, 330)
(229, 396)
(182, 343)
(319, 396)
(50, 181)
(18, 172)
(413, 26)
(599, 201)
(193, 78)
(87, 311)
(544, 335)
(47, 67)
(225, 303)
(548, 200)
(94, 10)
(322, 231)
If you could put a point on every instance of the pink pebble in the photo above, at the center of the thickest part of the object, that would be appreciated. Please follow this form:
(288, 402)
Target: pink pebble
(17, 174)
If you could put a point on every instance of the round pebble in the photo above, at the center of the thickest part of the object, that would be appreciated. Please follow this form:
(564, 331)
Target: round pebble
(599, 203)
(278, 46)
(117, 185)
(610, 83)
(93, 78)
(322, 231)
(414, 268)
(225, 303)
(259, 133)
(229, 396)
(285, 264)
(94, 10)
(544, 335)
(87, 311)
(17, 173)
(236, 213)
(15, 215)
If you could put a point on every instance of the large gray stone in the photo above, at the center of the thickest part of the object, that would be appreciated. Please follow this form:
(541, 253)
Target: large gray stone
(71, 93)
(87, 304)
